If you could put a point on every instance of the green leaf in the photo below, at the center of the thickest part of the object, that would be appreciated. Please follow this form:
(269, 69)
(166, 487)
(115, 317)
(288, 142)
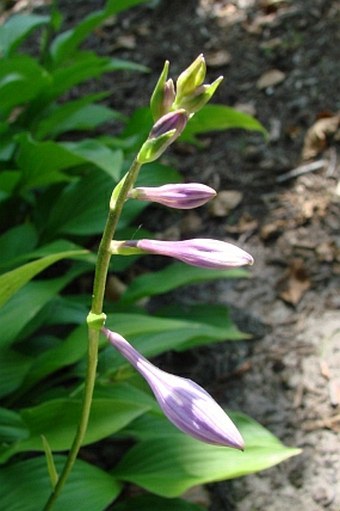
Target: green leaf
(58, 419)
(65, 44)
(25, 486)
(173, 276)
(168, 466)
(13, 368)
(98, 154)
(149, 502)
(42, 163)
(82, 207)
(22, 308)
(21, 80)
(77, 115)
(12, 427)
(66, 352)
(13, 280)
(52, 471)
(219, 118)
(87, 65)
(16, 241)
(208, 314)
(155, 335)
(16, 29)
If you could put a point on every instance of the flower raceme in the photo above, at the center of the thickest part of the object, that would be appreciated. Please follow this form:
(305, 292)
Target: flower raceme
(187, 405)
(204, 253)
(180, 196)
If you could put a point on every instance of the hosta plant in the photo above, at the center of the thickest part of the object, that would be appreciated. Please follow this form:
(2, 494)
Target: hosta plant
(64, 386)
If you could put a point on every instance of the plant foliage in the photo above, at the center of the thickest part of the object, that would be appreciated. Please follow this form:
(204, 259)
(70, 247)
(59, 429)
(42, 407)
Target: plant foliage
(54, 190)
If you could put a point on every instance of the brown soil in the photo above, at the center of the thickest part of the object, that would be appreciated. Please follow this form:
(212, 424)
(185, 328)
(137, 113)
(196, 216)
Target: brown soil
(288, 376)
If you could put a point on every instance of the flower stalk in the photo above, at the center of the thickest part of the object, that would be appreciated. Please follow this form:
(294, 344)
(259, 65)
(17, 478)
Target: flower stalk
(171, 110)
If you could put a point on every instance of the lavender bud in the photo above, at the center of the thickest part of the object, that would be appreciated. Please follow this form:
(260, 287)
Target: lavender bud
(180, 196)
(204, 253)
(187, 405)
(164, 132)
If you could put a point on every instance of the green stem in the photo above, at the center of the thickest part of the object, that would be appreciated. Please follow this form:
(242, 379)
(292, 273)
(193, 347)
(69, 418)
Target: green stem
(101, 271)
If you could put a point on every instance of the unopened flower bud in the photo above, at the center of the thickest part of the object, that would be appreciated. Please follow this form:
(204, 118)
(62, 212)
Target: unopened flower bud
(194, 102)
(163, 133)
(187, 405)
(180, 196)
(204, 253)
(163, 95)
(191, 78)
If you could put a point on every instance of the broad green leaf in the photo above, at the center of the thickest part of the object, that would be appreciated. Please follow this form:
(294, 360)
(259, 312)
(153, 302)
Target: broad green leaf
(14, 280)
(64, 45)
(58, 419)
(88, 65)
(25, 486)
(21, 80)
(14, 366)
(42, 163)
(157, 174)
(149, 502)
(18, 240)
(83, 206)
(138, 126)
(219, 118)
(173, 276)
(93, 151)
(168, 466)
(16, 29)
(209, 314)
(12, 427)
(77, 115)
(155, 335)
(22, 308)
(67, 352)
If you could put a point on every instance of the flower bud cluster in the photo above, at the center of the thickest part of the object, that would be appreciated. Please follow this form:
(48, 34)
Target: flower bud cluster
(172, 106)
(186, 405)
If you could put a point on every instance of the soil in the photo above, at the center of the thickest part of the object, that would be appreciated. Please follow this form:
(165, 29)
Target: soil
(288, 376)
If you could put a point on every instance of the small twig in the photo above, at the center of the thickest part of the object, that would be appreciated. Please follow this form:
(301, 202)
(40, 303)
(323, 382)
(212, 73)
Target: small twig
(302, 169)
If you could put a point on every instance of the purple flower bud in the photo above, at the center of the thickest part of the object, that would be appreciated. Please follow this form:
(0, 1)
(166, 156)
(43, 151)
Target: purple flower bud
(187, 405)
(180, 196)
(204, 253)
(172, 121)
(164, 132)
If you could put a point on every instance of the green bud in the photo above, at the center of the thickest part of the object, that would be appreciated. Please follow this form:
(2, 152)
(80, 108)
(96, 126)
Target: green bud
(194, 102)
(191, 78)
(163, 95)
(153, 148)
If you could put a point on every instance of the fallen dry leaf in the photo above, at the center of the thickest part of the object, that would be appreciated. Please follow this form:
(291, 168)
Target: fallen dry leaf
(270, 79)
(316, 139)
(217, 58)
(273, 229)
(294, 283)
